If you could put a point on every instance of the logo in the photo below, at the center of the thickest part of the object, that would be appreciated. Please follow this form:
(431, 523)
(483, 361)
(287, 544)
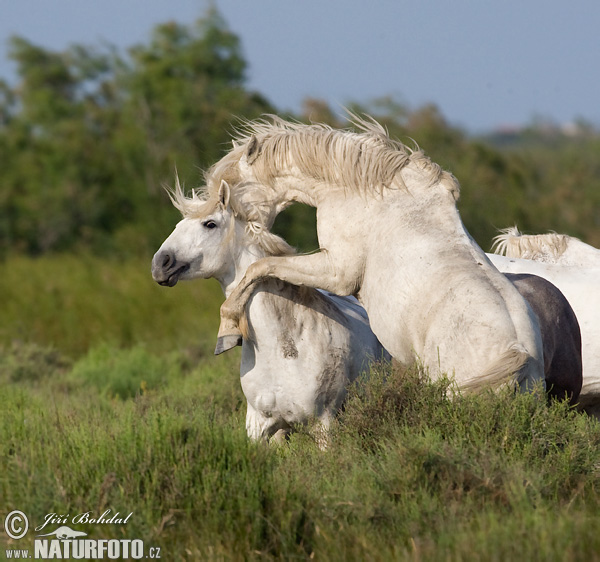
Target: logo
(66, 543)
(88, 517)
(64, 533)
(16, 525)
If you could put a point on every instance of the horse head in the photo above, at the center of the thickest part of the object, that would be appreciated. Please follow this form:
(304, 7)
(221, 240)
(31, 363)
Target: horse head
(201, 246)
(219, 236)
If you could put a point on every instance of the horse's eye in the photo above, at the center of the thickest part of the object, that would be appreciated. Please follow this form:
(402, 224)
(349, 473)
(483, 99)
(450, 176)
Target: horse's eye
(209, 224)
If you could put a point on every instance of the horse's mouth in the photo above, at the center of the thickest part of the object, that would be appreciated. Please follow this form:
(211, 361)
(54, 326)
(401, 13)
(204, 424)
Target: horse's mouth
(171, 281)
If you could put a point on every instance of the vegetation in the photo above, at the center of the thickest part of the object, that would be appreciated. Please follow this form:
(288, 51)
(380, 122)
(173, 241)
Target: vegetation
(123, 407)
(110, 397)
(89, 136)
(73, 303)
(410, 474)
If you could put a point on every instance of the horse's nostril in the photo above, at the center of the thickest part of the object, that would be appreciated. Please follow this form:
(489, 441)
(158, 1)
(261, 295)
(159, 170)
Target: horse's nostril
(167, 260)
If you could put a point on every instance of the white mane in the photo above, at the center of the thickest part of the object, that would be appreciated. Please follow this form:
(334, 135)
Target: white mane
(542, 247)
(365, 161)
(549, 248)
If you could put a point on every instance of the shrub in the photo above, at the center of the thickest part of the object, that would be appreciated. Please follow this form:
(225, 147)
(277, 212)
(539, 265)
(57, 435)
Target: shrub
(123, 372)
(29, 362)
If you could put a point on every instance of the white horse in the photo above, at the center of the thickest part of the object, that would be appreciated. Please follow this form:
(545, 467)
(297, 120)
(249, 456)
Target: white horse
(389, 233)
(554, 248)
(301, 347)
(580, 286)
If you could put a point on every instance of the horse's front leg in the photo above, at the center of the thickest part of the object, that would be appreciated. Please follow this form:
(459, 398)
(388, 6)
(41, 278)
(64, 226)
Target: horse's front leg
(316, 270)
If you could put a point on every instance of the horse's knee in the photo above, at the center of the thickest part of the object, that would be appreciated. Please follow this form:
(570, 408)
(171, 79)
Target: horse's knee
(230, 333)
(229, 310)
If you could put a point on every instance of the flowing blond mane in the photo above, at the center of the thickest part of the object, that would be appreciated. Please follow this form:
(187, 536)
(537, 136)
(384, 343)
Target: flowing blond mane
(368, 161)
(201, 203)
(512, 244)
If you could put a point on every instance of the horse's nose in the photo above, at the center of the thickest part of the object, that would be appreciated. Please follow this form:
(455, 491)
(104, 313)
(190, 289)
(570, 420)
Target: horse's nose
(162, 262)
(166, 269)
(168, 260)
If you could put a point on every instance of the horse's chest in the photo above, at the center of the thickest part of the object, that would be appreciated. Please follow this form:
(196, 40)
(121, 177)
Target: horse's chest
(279, 390)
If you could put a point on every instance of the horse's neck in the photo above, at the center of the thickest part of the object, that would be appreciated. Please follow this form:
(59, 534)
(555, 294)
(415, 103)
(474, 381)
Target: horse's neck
(244, 257)
(438, 221)
(293, 187)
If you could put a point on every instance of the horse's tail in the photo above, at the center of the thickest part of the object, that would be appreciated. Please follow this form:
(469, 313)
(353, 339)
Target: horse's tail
(510, 367)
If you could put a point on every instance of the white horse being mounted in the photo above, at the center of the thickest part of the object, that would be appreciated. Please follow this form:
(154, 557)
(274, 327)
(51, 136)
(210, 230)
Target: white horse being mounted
(390, 233)
(559, 249)
(301, 347)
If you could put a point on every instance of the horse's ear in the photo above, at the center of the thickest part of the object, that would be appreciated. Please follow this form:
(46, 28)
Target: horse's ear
(224, 193)
(252, 150)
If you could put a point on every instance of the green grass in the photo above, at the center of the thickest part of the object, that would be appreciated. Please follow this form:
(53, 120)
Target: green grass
(412, 471)
(73, 303)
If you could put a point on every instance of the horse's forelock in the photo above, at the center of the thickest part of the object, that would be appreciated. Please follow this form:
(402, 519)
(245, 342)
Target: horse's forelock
(188, 205)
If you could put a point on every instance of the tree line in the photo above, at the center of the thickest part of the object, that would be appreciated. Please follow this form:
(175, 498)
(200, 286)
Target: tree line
(89, 135)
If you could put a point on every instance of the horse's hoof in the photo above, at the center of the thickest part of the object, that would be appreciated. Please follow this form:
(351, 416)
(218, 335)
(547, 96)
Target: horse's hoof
(225, 343)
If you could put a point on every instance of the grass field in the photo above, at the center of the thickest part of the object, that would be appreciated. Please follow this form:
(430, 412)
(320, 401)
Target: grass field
(76, 302)
(111, 399)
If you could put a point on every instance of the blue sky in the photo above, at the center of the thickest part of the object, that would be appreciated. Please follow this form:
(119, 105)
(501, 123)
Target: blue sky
(485, 64)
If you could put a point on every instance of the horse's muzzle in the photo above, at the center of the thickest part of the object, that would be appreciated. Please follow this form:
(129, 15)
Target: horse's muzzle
(166, 270)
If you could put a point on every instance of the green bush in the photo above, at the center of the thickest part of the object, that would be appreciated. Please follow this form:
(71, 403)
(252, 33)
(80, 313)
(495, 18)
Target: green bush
(30, 363)
(123, 372)
(73, 303)
(412, 471)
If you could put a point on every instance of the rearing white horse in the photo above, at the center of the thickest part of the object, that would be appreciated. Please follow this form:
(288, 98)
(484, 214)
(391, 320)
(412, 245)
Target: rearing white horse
(389, 233)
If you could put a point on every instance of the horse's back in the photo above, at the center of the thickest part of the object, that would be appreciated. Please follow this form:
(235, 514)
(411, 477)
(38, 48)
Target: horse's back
(580, 254)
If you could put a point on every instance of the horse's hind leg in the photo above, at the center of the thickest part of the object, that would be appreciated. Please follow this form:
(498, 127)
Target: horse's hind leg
(561, 335)
(564, 378)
